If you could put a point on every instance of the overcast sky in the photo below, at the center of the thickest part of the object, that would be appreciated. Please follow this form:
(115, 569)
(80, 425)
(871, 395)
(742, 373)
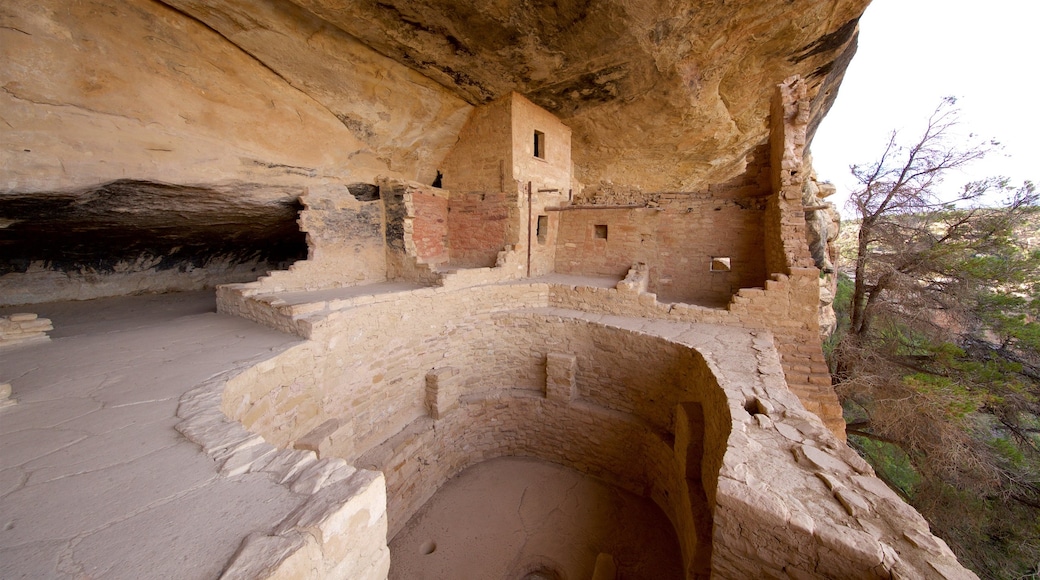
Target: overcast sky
(912, 53)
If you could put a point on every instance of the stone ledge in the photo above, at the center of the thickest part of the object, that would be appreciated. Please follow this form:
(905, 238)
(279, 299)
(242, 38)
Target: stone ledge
(320, 538)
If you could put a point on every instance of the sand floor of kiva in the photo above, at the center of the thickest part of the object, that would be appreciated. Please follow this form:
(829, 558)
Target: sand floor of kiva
(522, 518)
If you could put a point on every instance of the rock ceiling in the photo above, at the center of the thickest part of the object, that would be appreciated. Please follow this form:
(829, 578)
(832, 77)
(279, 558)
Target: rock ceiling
(252, 102)
(661, 94)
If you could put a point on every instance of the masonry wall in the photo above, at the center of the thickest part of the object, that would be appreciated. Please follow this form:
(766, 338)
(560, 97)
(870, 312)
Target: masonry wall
(480, 159)
(553, 169)
(374, 388)
(786, 245)
(345, 239)
(480, 225)
(430, 225)
(421, 384)
(405, 225)
(677, 240)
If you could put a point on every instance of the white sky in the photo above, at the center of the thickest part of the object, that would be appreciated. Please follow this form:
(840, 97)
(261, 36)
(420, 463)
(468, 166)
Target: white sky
(912, 53)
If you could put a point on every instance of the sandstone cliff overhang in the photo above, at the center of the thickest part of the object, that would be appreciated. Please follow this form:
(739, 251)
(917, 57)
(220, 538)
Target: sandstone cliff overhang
(660, 95)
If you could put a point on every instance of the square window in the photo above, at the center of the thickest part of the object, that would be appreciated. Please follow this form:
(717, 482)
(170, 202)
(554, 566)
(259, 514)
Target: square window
(539, 144)
(543, 227)
(600, 231)
(720, 264)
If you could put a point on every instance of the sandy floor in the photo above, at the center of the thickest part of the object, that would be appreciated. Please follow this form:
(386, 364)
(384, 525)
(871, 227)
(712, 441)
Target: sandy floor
(519, 518)
(94, 480)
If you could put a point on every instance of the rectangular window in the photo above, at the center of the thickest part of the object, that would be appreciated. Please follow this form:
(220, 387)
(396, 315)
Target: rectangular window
(543, 228)
(600, 231)
(720, 264)
(539, 144)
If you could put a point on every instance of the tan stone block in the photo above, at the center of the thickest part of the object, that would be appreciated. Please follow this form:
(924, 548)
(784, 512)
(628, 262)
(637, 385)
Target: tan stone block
(318, 437)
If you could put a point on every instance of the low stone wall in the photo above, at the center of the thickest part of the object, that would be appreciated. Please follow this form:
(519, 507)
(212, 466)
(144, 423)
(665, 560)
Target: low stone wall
(438, 379)
(338, 532)
(785, 307)
(677, 239)
(781, 307)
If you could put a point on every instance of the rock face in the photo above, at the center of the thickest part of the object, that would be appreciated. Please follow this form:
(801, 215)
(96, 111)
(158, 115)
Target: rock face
(285, 96)
(664, 95)
(678, 90)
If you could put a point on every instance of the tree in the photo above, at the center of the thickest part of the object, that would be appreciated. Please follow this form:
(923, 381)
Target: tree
(898, 201)
(939, 373)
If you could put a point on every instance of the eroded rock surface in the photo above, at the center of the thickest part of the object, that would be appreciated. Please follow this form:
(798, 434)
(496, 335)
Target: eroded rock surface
(666, 95)
(660, 95)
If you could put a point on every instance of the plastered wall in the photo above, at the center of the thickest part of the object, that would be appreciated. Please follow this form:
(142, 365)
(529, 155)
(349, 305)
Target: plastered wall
(430, 225)
(481, 159)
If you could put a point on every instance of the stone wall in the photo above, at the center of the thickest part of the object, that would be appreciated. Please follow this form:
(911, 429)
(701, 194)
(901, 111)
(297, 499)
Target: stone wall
(345, 239)
(480, 225)
(481, 160)
(430, 225)
(422, 384)
(551, 169)
(23, 328)
(624, 395)
(677, 239)
(786, 245)
(338, 530)
(401, 202)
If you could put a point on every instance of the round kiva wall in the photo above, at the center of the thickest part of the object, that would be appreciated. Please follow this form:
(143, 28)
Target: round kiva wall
(421, 395)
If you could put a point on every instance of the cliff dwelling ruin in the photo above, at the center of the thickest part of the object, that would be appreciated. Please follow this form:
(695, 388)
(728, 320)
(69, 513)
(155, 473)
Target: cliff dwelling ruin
(511, 289)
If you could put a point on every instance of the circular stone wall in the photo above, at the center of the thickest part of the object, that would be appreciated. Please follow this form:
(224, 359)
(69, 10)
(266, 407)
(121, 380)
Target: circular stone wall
(424, 393)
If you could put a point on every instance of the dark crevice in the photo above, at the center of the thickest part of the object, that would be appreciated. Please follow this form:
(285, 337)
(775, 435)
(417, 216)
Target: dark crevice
(828, 42)
(104, 228)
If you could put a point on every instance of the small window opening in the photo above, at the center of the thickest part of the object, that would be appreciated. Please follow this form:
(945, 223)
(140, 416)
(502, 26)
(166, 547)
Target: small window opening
(600, 231)
(719, 264)
(539, 144)
(543, 228)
